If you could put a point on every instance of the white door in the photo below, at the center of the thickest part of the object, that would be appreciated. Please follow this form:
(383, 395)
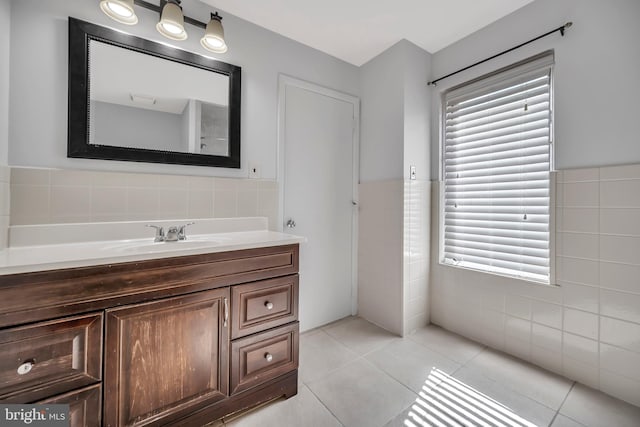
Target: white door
(318, 136)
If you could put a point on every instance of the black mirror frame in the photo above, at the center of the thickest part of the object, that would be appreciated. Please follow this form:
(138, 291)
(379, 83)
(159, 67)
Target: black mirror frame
(80, 33)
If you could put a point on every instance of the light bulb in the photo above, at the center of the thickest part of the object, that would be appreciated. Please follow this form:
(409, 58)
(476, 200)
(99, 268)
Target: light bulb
(120, 11)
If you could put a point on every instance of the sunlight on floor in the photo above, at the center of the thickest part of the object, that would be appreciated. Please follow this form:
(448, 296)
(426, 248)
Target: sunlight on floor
(445, 401)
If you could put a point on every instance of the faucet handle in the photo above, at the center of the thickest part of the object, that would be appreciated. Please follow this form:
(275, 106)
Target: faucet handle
(181, 231)
(159, 232)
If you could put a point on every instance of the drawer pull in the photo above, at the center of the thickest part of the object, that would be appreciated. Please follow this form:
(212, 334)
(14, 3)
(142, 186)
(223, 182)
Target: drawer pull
(268, 357)
(26, 367)
(269, 305)
(226, 312)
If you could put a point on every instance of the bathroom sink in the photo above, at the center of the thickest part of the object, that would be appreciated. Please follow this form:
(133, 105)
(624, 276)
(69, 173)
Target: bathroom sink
(149, 247)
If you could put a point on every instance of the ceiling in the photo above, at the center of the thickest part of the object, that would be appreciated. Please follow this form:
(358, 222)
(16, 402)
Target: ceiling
(358, 30)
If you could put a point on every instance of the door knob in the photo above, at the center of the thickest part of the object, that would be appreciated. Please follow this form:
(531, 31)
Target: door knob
(291, 223)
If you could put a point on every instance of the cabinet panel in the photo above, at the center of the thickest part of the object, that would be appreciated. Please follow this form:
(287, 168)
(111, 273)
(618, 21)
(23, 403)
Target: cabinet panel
(165, 358)
(262, 305)
(81, 290)
(264, 356)
(84, 406)
(40, 360)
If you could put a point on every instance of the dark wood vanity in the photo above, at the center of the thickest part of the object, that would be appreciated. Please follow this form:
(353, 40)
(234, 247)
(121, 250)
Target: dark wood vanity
(173, 341)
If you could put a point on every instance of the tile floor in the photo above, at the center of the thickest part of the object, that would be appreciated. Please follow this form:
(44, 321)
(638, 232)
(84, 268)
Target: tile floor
(355, 374)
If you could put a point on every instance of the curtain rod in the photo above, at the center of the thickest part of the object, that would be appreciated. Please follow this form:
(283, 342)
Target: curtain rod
(562, 29)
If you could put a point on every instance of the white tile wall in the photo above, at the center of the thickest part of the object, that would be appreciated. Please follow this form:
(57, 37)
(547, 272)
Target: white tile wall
(4, 204)
(394, 254)
(380, 254)
(43, 196)
(588, 327)
(416, 254)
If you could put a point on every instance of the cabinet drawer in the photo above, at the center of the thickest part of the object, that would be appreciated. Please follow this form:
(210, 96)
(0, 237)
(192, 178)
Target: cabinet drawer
(44, 359)
(264, 356)
(84, 406)
(263, 305)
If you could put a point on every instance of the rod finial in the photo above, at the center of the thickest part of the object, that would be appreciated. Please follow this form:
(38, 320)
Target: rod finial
(564, 27)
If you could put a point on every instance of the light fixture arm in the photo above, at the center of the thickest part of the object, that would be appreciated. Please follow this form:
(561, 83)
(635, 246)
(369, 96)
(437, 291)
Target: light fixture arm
(158, 9)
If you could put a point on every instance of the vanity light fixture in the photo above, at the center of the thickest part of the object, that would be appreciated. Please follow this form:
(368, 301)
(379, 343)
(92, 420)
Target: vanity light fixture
(172, 20)
(120, 10)
(171, 24)
(213, 39)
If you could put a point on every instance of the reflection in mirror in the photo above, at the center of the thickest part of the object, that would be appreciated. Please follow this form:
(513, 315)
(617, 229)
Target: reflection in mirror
(138, 100)
(155, 104)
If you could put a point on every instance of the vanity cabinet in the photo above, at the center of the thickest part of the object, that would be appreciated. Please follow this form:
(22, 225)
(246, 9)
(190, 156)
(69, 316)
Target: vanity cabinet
(181, 341)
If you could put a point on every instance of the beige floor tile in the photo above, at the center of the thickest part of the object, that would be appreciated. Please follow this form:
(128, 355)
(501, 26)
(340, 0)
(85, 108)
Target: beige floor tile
(444, 342)
(525, 408)
(359, 335)
(411, 363)
(594, 409)
(456, 403)
(320, 354)
(529, 380)
(360, 395)
(304, 409)
(562, 421)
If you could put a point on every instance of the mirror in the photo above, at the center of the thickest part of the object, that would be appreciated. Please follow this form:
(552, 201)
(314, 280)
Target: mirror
(134, 99)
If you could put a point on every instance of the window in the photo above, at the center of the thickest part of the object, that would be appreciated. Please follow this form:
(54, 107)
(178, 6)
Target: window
(496, 170)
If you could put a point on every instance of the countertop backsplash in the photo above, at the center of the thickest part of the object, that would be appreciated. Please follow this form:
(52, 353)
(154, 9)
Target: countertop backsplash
(50, 196)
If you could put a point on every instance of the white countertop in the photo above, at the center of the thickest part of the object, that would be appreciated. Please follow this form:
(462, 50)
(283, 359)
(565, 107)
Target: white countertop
(36, 248)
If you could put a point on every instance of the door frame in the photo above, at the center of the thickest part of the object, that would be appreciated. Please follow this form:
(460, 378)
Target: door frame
(285, 81)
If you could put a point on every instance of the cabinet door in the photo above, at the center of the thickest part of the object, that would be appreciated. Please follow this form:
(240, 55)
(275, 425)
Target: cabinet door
(84, 406)
(166, 359)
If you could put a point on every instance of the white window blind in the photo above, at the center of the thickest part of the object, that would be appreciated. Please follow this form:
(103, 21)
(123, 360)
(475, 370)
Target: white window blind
(497, 137)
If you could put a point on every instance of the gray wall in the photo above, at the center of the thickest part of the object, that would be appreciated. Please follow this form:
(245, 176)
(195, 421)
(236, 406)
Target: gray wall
(5, 36)
(417, 110)
(123, 126)
(595, 76)
(382, 117)
(39, 82)
(395, 113)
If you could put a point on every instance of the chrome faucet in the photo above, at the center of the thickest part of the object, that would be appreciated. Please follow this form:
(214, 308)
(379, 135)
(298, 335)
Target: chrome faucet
(173, 233)
(159, 233)
(182, 235)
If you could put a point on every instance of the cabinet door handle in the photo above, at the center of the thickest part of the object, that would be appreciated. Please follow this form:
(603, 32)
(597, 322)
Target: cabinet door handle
(26, 367)
(226, 312)
(268, 305)
(269, 357)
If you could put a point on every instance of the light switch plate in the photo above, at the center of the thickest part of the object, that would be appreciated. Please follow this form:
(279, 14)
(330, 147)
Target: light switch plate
(412, 172)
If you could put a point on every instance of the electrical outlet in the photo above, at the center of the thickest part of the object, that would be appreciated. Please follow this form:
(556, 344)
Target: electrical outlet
(254, 171)
(412, 172)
